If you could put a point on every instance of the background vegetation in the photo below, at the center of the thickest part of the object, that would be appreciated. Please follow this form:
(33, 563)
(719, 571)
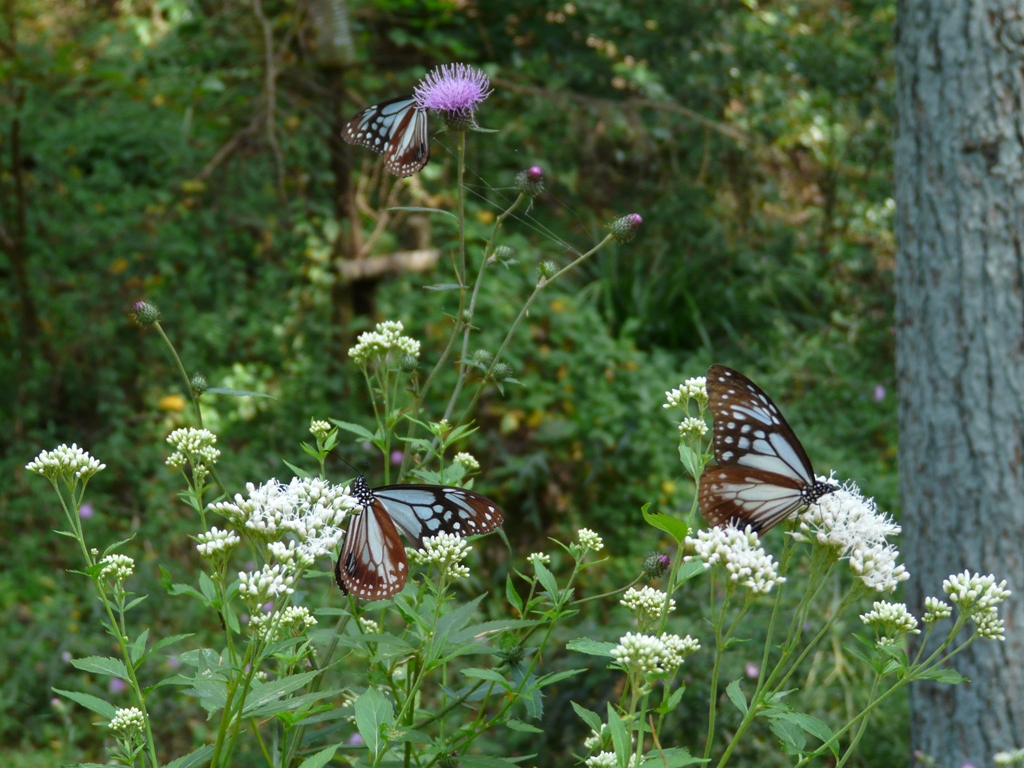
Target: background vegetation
(143, 155)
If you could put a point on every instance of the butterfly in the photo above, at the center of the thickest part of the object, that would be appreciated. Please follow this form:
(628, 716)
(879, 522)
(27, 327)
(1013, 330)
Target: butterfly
(763, 474)
(372, 564)
(397, 130)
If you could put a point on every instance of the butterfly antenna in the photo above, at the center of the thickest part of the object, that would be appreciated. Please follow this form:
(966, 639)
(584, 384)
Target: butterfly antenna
(350, 466)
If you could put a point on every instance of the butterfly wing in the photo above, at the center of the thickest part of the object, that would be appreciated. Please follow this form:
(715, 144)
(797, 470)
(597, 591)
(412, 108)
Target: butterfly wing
(420, 511)
(748, 496)
(396, 129)
(372, 564)
(749, 430)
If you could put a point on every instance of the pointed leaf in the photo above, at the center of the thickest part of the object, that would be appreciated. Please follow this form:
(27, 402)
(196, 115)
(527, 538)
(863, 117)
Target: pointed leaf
(620, 738)
(677, 529)
(590, 718)
(321, 758)
(372, 711)
(102, 665)
(736, 696)
(193, 759)
(590, 647)
(94, 703)
(355, 429)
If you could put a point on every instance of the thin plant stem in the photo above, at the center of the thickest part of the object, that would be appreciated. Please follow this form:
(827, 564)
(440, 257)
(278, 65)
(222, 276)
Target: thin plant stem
(184, 373)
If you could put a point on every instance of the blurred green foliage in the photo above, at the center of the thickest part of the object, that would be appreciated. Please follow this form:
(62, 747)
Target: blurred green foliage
(136, 161)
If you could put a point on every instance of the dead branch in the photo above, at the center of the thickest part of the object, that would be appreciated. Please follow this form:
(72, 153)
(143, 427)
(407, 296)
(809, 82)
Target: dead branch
(391, 264)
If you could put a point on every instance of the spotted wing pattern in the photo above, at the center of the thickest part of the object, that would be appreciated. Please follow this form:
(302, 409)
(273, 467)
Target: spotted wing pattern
(372, 564)
(763, 474)
(395, 129)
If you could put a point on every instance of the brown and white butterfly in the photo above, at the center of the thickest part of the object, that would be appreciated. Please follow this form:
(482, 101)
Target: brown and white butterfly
(763, 474)
(396, 129)
(372, 564)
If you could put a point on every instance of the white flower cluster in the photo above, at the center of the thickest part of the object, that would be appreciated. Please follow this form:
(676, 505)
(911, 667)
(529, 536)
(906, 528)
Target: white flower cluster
(290, 622)
(691, 428)
(590, 540)
(320, 429)
(446, 551)
(740, 552)
(1015, 757)
(646, 603)
(539, 557)
(602, 760)
(70, 463)
(271, 581)
(194, 445)
(310, 508)
(468, 460)
(851, 524)
(292, 555)
(595, 739)
(979, 597)
(695, 389)
(935, 609)
(386, 337)
(369, 626)
(652, 655)
(117, 567)
(217, 545)
(890, 620)
(127, 721)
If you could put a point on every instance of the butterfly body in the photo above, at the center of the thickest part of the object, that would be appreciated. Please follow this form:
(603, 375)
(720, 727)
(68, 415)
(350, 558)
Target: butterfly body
(395, 129)
(763, 474)
(372, 564)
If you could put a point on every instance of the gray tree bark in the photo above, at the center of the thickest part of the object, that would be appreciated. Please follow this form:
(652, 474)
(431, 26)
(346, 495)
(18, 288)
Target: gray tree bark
(959, 163)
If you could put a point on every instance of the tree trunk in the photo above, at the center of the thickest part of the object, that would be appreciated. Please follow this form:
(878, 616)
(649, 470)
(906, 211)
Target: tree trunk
(959, 164)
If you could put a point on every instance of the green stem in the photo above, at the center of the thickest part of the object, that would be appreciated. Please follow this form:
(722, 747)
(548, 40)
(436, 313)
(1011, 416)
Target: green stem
(716, 669)
(461, 271)
(184, 373)
(863, 726)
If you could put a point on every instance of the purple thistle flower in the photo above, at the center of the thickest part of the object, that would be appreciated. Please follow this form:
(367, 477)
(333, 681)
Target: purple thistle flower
(624, 229)
(454, 90)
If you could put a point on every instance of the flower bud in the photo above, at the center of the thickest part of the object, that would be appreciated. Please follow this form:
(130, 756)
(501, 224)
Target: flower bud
(457, 120)
(505, 255)
(409, 364)
(145, 313)
(548, 269)
(502, 371)
(482, 357)
(656, 565)
(625, 229)
(451, 760)
(198, 383)
(513, 654)
(531, 181)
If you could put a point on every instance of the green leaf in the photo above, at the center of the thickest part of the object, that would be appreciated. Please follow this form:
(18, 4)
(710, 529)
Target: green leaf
(590, 647)
(236, 392)
(90, 702)
(275, 689)
(512, 596)
(793, 739)
(677, 529)
(477, 673)
(555, 677)
(621, 740)
(170, 640)
(117, 544)
(355, 429)
(321, 758)
(547, 579)
(416, 209)
(193, 759)
(590, 718)
(736, 696)
(519, 725)
(208, 588)
(691, 460)
(135, 602)
(102, 665)
(688, 570)
(138, 648)
(299, 472)
(372, 711)
(674, 757)
(485, 761)
(672, 701)
(946, 676)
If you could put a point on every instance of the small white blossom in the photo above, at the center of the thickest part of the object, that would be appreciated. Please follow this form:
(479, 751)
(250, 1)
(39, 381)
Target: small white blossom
(128, 721)
(890, 620)
(646, 603)
(851, 524)
(1015, 757)
(117, 567)
(936, 609)
(539, 557)
(989, 625)
(740, 552)
(268, 583)
(468, 460)
(369, 626)
(640, 652)
(385, 338)
(602, 760)
(320, 429)
(194, 444)
(216, 544)
(973, 594)
(695, 389)
(691, 428)
(291, 555)
(595, 739)
(676, 649)
(590, 540)
(70, 463)
(290, 622)
(446, 551)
